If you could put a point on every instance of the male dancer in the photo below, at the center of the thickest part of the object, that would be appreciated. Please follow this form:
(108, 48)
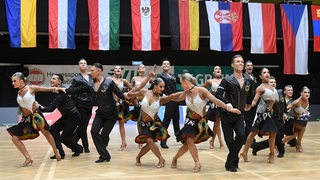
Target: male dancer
(236, 91)
(249, 115)
(106, 114)
(171, 108)
(81, 91)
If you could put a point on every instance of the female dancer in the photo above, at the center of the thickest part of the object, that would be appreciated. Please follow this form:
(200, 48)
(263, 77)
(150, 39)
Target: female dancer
(123, 107)
(213, 111)
(195, 129)
(135, 82)
(300, 113)
(151, 128)
(32, 120)
(265, 122)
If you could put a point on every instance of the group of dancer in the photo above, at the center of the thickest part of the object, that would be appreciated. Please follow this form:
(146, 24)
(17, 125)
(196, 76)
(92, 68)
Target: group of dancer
(231, 98)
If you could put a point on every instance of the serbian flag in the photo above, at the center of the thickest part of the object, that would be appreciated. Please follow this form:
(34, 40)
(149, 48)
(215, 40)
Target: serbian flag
(145, 25)
(263, 28)
(104, 18)
(295, 36)
(315, 11)
(62, 23)
(21, 18)
(184, 24)
(225, 24)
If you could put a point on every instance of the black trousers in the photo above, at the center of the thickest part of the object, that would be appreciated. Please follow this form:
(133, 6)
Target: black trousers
(67, 124)
(265, 143)
(249, 118)
(171, 112)
(81, 131)
(233, 124)
(102, 125)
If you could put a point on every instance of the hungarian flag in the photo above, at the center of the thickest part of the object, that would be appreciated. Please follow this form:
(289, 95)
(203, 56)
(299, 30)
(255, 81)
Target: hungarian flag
(104, 18)
(62, 23)
(225, 24)
(263, 28)
(295, 36)
(21, 18)
(315, 11)
(145, 25)
(184, 24)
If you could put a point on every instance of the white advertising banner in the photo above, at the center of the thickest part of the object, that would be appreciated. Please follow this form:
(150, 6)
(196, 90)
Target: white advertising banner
(41, 74)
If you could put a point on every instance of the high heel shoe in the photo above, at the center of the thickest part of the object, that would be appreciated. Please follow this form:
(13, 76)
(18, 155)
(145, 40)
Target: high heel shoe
(138, 161)
(123, 147)
(211, 144)
(271, 158)
(161, 163)
(140, 146)
(27, 162)
(174, 163)
(244, 156)
(299, 148)
(197, 168)
(57, 155)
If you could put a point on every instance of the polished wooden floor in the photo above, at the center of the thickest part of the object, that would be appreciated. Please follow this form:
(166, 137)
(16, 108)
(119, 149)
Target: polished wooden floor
(122, 166)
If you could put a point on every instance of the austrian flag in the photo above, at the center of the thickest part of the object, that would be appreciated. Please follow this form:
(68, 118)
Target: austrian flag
(145, 25)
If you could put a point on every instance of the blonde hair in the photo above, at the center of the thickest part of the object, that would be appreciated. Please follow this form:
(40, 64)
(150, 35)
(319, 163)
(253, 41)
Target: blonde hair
(188, 77)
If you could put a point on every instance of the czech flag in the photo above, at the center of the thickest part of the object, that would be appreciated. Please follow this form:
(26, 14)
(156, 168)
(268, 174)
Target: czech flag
(295, 36)
(21, 18)
(104, 18)
(184, 24)
(62, 23)
(315, 11)
(145, 16)
(263, 28)
(225, 24)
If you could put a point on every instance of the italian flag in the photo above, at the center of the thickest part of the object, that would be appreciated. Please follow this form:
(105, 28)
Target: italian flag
(145, 25)
(104, 18)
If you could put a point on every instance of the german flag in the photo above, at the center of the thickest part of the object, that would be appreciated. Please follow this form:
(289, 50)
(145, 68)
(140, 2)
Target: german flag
(184, 24)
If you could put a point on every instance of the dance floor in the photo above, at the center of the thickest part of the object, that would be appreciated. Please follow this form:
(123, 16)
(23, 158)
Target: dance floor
(293, 165)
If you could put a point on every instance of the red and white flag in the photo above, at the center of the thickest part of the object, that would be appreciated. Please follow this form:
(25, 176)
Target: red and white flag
(263, 28)
(145, 25)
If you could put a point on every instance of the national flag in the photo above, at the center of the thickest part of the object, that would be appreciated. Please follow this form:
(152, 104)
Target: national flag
(295, 30)
(225, 24)
(315, 11)
(263, 28)
(184, 24)
(62, 23)
(145, 25)
(21, 18)
(104, 18)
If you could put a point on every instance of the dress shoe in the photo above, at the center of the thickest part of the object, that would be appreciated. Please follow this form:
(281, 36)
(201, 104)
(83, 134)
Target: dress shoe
(86, 150)
(280, 155)
(100, 160)
(54, 157)
(77, 153)
(232, 169)
(164, 145)
(254, 151)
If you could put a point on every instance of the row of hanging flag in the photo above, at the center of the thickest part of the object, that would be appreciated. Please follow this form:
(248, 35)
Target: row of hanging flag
(225, 25)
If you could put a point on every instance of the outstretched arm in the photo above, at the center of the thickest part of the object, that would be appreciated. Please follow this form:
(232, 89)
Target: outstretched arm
(146, 80)
(218, 102)
(178, 96)
(36, 88)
